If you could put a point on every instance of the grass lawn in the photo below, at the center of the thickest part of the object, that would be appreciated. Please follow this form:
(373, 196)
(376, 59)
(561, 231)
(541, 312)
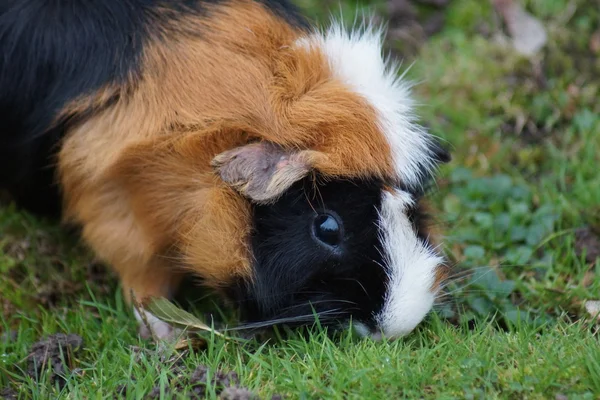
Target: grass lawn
(520, 205)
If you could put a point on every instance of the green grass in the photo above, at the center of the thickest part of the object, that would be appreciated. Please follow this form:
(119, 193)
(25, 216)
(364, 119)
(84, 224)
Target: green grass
(438, 361)
(525, 136)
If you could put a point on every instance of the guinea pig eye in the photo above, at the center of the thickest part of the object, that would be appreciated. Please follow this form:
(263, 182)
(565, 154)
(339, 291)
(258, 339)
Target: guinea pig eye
(327, 229)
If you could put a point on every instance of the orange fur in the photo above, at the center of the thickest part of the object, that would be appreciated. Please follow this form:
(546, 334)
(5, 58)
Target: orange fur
(137, 173)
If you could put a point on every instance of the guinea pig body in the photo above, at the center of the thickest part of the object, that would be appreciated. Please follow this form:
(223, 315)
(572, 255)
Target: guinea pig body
(279, 164)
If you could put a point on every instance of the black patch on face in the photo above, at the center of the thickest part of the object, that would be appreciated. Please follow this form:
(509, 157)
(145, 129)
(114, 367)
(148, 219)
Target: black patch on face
(52, 52)
(317, 245)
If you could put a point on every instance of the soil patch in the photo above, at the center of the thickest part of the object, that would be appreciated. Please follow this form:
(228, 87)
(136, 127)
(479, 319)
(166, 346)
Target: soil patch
(55, 353)
(8, 394)
(195, 384)
(225, 383)
(586, 241)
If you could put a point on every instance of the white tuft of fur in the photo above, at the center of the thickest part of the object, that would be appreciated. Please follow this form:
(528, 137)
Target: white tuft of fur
(356, 58)
(411, 267)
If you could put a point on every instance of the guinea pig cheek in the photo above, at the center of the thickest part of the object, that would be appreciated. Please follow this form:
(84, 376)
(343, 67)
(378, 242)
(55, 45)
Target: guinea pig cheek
(412, 268)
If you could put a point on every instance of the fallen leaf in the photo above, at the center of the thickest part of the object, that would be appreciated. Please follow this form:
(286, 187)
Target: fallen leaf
(527, 33)
(168, 312)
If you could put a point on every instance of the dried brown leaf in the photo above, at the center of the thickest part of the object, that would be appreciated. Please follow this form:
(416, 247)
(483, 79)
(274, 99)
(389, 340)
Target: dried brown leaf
(168, 312)
(527, 32)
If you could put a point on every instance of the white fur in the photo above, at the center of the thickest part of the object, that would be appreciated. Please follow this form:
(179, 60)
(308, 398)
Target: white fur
(357, 59)
(411, 268)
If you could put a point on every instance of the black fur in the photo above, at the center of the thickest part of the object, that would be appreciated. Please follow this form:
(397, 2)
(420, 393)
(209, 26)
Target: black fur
(293, 270)
(53, 51)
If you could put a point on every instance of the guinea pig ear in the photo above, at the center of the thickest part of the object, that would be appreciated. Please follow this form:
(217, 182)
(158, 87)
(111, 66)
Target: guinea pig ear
(261, 171)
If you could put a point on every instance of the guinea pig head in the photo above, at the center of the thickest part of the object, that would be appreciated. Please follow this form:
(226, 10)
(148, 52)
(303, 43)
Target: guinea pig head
(336, 248)
(343, 249)
(334, 188)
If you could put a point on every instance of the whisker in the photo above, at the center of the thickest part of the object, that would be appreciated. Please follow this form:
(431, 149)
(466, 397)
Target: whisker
(312, 303)
(359, 283)
(469, 272)
(275, 321)
(471, 291)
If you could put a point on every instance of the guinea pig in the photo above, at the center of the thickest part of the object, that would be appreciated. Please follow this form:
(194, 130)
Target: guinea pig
(281, 164)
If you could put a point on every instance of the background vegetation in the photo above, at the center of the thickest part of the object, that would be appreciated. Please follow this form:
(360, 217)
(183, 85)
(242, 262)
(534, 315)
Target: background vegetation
(520, 207)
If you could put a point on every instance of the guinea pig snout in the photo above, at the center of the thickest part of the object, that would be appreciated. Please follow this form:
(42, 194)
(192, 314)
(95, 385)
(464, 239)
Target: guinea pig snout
(411, 266)
(409, 298)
